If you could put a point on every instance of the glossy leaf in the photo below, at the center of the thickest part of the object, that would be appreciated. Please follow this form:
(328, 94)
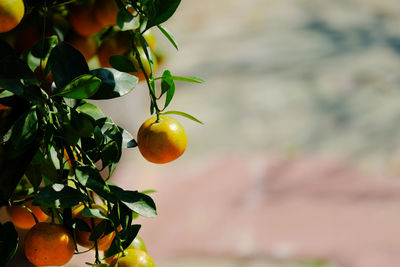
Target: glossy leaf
(93, 213)
(82, 123)
(128, 237)
(167, 86)
(188, 79)
(127, 139)
(122, 63)
(81, 87)
(91, 110)
(24, 132)
(126, 21)
(90, 178)
(113, 83)
(66, 64)
(160, 11)
(59, 196)
(180, 113)
(41, 51)
(137, 202)
(111, 153)
(168, 35)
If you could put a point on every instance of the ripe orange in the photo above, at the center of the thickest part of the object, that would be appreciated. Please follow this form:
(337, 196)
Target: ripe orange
(106, 12)
(161, 141)
(82, 237)
(133, 258)
(86, 45)
(11, 14)
(83, 21)
(2, 107)
(22, 218)
(49, 244)
(116, 45)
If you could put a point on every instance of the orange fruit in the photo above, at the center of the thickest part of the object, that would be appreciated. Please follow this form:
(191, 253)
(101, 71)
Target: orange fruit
(86, 45)
(116, 45)
(49, 244)
(133, 258)
(105, 11)
(161, 141)
(2, 107)
(82, 237)
(82, 20)
(22, 218)
(11, 14)
(138, 243)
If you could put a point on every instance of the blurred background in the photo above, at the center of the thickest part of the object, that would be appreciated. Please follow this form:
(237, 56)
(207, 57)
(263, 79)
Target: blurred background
(299, 158)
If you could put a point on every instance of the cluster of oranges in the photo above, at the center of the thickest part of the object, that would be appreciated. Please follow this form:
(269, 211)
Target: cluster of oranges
(43, 237)
(160, 139)
(83, 25)
(90, 27)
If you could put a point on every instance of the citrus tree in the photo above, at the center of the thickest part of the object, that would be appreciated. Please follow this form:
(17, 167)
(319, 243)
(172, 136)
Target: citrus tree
(57, 149)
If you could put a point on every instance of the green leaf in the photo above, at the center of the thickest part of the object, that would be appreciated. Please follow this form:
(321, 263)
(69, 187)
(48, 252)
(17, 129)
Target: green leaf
(66, 64)
(59, 196)
(128, 237)
(111, 153)
(93, 213)
(41, 51)
(82, 123)
(100, 229)
(160, 11)
(168, 35)
(113, 83)
(180, 113)
(149, 55)
(24, 132)
(137, 202)
(149, 191)
(188, 79)
(122, 63)
(91, 178)
(14, 169)
(168, 86)
(81, 87)
(34, 175)
(6, 94)
(8, 242)
(90, 109)
(78, 224)
(48, 170)
(126, 21)
(127, 139)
